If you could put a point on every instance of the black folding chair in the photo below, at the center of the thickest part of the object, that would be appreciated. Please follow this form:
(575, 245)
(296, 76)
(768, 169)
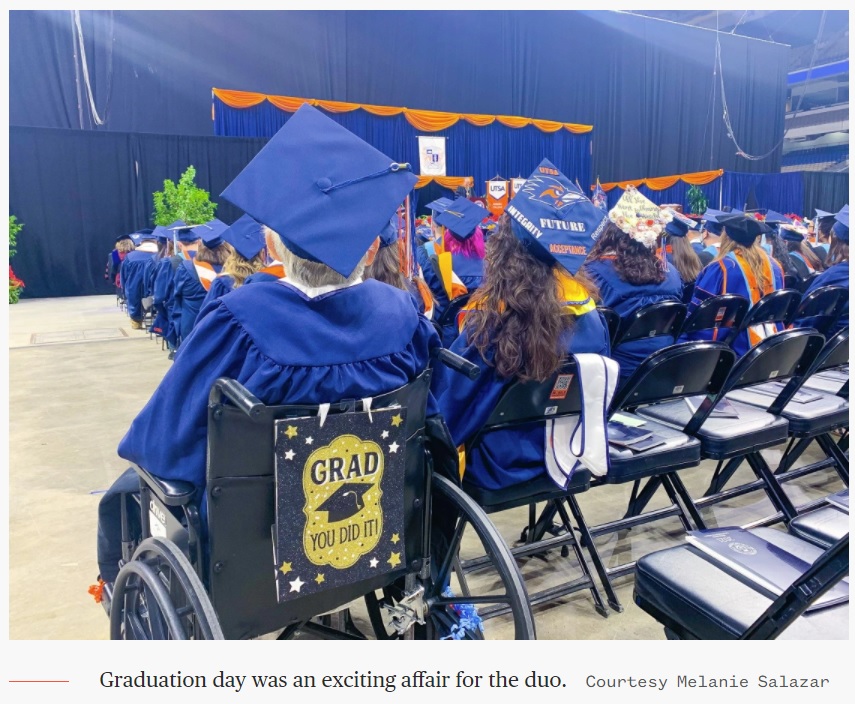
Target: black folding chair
(612, 322)
(776, 307)
(524, 403)
(688, 292)
(663, 318)
(781, 356)
(695, 598)
(793, 282)
(820, 309)
(675, 372)
(719, 313)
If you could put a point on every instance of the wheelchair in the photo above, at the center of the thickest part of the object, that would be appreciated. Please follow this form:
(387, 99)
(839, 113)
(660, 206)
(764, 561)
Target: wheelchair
(243, 559)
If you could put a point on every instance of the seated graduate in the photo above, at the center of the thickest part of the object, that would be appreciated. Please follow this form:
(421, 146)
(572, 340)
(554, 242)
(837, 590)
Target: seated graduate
(460, 266)
(678, 252)
(386, 268)
(124, 244)
(777, 248)
(837, 273)
(803, 259)
(742, 268)
(180, 241)
(822, 226)
(136, 276)
(248, 256)
(712, 235)
(534, 308)
(194, 275)
(433, 244)
(629, 276)
(356, 339)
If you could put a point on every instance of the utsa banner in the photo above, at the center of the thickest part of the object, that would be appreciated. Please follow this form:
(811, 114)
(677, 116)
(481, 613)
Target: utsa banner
(432, 156)
(497, 197)
(516, 186)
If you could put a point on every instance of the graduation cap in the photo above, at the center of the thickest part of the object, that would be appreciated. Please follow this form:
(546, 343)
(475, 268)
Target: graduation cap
(423, 233)
(246, 236)
(162, 233)
(773, 218)
(679, 226)
(841, 226)
(790, 234)
(346, 501)
(326, 192)
(711, 223)
(440, 205)
(554, 219)
(389, 234)
(124, 237)
(822, 214)
(183, 232)
(145, 235)
(210, 232)
(462, 217)
(742, 228)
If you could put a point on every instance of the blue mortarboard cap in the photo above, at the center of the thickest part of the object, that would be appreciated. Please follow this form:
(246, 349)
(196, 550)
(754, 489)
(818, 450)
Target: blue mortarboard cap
(710, 218)
(211, 232)
(146, 235)
(823, 214)
(742, 228)
(773, 218)
(183, 232)
(790, 234)
(554, 219)
(389, 234)
(841, 226)
(423, 233)
(246, 236)
(678, 226)
(162, 234)
(326, 192)
(462, 217)
(440, 205)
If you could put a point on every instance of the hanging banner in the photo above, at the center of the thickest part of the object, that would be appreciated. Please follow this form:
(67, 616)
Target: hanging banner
(516, 186)
(497, 197)
(432, 156)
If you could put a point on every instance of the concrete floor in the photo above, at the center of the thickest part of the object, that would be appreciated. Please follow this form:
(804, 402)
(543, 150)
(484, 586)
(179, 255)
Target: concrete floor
(79, 375)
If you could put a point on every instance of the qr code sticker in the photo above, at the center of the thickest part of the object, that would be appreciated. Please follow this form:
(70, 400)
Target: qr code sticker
(562, 385)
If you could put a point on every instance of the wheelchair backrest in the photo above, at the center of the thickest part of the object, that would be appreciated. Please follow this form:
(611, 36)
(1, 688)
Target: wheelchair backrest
(821, 308)
(663, 318)
(242, 507)
(685, 369)
(724, 311)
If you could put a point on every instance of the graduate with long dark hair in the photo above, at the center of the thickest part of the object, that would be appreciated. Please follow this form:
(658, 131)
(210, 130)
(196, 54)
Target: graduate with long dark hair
(837, 273)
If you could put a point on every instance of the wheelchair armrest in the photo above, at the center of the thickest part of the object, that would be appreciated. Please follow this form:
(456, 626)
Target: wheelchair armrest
(171, 492)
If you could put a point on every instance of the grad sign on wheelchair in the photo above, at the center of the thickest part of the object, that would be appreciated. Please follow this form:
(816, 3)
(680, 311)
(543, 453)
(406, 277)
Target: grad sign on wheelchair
(339, 500)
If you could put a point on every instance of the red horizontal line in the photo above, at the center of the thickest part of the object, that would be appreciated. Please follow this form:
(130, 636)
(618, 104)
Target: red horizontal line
(39, 680)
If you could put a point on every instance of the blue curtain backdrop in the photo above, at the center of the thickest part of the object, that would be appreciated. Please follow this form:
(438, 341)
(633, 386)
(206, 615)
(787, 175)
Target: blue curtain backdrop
(480, 152)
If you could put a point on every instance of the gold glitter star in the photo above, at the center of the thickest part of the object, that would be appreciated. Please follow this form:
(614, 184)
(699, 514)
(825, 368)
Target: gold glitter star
(320, 578)
(397, 420)
(292, 431)
(395, 538)
(286, 568)
(394, 559)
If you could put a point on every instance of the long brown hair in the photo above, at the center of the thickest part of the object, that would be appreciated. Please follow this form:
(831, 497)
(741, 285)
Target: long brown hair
(239, 267)
(804, 249)
(217, 255)
(386, 267)
(518, 314)
(685, 259)
(634, 263)
(753, 255)
(838, 250)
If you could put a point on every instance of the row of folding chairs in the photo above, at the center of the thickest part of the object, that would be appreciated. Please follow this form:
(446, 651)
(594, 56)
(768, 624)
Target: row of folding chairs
(762, 386)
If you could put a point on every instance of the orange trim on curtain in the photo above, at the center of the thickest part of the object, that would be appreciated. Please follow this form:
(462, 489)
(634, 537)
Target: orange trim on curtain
(427, 120)
(450, 182)
(660, 183)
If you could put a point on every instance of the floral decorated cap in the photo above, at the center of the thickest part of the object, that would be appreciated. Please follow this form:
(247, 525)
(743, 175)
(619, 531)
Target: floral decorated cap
(639, 217)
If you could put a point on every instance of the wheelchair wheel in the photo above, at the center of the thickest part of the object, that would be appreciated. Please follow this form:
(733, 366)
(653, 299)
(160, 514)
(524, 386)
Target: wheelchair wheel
(158, 596)
(447, 614)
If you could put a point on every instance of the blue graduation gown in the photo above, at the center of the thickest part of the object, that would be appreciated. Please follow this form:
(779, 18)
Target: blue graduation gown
(470, 271)
(220, 286)
(135, 277)
(504, 457)
(725, 276)
(163, 288)
(355, 342)
(258, 277)
(187, 297)
(625, 298)
(835, 275)
(698, 247)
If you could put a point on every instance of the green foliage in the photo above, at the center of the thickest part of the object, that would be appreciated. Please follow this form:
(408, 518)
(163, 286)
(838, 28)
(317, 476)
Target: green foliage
(15, 284)
(184, 201)
(697, 201)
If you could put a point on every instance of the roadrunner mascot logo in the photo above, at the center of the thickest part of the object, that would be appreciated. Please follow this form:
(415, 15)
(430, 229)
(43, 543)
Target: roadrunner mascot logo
(549, 190)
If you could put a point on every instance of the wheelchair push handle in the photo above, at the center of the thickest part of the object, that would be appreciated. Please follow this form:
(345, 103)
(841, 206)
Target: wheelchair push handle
(456, 362)
(237, 394)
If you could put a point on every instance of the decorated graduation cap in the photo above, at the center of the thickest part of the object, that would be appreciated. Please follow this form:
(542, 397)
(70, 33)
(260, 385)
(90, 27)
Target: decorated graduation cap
(211, 232)
(246, 236)
(423, 233)
(841, 226)
(440, 205)
(639, 217)
(462, 217)
(322, 189)
(554, 219)
(742, 228)
(679, 226)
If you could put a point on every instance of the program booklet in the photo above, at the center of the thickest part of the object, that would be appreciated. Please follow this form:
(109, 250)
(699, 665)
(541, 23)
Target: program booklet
(759, 563)
(723, 409)
(840, 499)
(623, 435)
(774, 389)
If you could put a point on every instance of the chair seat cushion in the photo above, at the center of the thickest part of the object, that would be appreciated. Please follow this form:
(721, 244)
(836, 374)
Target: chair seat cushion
(678, 452)
(823, 526)
(540, 489)
(830, 381)
(720, 438)
(817, 416)
(695, 598)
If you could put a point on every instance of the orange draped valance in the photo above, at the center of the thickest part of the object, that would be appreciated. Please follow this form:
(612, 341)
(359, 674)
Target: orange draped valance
(660, 183)
(450, 182)
(427, 120)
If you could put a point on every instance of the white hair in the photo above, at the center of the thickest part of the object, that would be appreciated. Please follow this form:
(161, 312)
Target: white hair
(309, 273)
